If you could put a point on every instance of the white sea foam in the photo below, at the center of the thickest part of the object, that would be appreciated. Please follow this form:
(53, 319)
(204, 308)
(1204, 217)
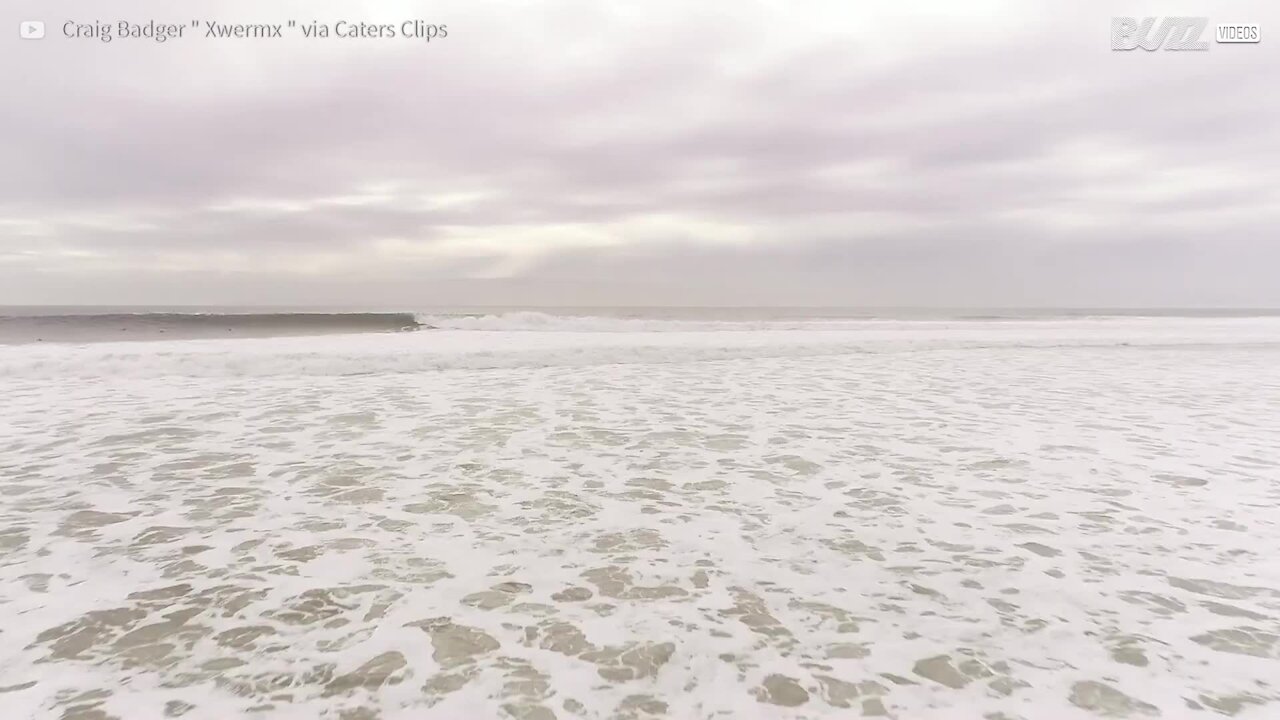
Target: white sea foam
(556, 345)
(537, 321)
(1063, 519)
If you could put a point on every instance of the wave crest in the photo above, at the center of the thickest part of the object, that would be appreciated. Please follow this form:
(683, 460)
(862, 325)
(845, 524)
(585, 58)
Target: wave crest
(534, 321)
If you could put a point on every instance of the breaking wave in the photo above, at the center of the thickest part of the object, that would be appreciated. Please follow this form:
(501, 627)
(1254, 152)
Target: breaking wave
(534, 321)
(92, 327)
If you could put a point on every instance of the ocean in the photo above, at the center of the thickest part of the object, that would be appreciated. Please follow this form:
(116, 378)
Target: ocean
(81, 324)
(639, 513)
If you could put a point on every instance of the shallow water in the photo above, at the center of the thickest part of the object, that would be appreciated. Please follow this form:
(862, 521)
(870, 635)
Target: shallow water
(1028, 523)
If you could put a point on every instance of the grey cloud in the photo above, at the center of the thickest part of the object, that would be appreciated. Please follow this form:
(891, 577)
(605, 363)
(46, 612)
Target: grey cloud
(952, 172)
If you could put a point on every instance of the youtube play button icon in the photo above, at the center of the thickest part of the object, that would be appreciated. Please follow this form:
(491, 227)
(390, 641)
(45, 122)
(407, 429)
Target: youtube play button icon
(31, 29)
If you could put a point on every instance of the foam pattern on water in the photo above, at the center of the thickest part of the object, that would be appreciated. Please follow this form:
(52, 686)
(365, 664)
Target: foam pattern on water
(1000, 531)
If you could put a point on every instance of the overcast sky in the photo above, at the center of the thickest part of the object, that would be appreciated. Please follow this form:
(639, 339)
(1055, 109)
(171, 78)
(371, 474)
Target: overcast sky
(713, 152)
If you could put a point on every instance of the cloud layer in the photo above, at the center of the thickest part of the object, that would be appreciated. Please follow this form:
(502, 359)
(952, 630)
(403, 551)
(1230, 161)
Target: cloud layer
(589, 153)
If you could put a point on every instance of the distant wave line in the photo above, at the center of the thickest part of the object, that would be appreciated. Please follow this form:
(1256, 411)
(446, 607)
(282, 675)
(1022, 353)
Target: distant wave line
(170, 325)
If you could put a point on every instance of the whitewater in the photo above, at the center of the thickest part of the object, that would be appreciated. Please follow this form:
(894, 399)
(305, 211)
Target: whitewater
(533, 516)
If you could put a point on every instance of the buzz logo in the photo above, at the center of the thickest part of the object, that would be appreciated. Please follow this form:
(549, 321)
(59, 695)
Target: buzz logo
(1175, 33)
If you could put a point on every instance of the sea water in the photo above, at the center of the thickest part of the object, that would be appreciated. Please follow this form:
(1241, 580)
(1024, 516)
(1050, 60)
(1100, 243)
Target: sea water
(532, 516)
